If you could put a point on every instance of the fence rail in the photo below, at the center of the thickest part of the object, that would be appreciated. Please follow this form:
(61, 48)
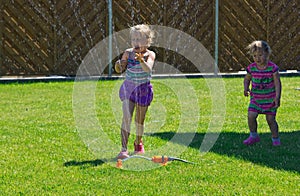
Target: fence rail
(51, 37)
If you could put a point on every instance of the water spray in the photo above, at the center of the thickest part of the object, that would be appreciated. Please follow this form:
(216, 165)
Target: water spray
(163, 160)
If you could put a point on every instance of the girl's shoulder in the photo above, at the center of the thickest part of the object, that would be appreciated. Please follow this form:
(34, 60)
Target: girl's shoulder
(250, 67)
(252, 64)
(128, 53)
(128, 50)
(151, 53)
(270, 63)
(275, 67)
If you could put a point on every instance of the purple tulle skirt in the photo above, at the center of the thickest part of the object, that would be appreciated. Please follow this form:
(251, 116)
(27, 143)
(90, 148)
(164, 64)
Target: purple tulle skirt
(141, 94)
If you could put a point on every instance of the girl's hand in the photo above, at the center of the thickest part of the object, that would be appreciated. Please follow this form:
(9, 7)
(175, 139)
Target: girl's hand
(146, 60)
(246, 93)
(118, 66)
(140, 57)
(276, 103)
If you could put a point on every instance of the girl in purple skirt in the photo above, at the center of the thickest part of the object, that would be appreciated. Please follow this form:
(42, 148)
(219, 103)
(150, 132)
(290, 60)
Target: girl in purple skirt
(136, 91)
(265, 91)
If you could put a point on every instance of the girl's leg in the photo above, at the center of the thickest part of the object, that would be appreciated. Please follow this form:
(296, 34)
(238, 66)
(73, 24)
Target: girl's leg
(271, 119)
(128, 108)
(252, 122)
(139, 122)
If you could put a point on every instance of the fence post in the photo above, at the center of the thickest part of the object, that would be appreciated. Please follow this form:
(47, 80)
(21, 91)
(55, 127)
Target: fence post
(1, 36)
(216, 36)
(55, 40)
(110, 37)
(268, 20)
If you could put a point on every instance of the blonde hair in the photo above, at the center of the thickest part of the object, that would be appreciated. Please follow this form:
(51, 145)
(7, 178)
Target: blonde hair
(144, 30)
(259, 45)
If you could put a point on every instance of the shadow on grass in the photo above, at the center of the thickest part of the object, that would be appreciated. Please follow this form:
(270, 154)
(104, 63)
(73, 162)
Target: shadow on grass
(82, 163)
(286, 156)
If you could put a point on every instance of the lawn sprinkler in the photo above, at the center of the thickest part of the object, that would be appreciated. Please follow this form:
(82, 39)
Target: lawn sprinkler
(163, 160)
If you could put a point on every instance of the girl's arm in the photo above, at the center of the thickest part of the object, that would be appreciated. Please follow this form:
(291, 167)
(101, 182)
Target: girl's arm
(247, 80)
(277, 83)
(147, 64)
(120, 65)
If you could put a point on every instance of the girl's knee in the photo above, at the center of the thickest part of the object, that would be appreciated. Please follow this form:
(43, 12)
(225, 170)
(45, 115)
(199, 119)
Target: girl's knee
(271, 120)
(252, 116)
(126, 123)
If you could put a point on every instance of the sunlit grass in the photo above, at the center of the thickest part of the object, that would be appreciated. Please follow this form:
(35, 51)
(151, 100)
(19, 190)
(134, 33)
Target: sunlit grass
(42, 152)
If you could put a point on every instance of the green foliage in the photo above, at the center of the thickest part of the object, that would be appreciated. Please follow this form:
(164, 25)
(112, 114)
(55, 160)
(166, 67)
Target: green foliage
(42, 152)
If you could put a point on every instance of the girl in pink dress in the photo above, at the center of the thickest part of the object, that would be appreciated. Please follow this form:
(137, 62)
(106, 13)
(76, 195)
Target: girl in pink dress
(265, 91)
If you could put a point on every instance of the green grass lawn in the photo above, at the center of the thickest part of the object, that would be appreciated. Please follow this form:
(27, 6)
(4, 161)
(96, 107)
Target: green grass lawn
(44, 152)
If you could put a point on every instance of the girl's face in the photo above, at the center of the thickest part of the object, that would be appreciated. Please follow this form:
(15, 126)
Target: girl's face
(260, 58)
(139, 42)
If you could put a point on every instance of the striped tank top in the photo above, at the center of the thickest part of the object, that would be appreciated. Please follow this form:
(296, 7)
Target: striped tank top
(262, 87)
(135, 72)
